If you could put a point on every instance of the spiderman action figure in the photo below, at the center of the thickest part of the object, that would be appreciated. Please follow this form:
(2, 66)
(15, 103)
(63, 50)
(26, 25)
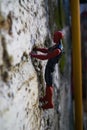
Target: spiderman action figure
(53, 55)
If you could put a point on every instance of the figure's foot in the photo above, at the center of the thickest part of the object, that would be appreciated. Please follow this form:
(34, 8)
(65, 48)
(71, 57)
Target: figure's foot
(47, 99)
(48, 96)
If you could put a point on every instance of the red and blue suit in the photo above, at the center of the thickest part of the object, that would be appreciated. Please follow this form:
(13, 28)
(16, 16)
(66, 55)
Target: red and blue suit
(53, 55)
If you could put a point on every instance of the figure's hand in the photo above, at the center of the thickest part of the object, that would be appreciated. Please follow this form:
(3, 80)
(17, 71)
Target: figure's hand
(30, 54)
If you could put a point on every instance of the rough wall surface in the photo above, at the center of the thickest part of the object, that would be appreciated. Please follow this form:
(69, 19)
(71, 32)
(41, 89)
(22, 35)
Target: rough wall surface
(23, 23)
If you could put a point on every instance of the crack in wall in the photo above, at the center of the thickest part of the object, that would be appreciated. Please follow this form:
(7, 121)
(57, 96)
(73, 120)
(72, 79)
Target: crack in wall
(6, 24)
(6, 58)
(22, 3)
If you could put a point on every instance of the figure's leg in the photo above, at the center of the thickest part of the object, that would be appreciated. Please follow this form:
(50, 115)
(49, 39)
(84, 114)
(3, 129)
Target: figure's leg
(48, 80)
(49, 90)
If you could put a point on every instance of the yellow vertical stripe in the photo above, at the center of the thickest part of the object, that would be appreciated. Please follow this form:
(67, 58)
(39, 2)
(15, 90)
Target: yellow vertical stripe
(77, 70)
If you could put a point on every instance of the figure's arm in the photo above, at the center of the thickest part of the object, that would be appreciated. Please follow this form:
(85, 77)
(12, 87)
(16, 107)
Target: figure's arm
(44, 50)
(47, 56)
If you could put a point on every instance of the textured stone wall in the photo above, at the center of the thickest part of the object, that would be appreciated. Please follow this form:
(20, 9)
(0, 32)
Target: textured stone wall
(23, 23)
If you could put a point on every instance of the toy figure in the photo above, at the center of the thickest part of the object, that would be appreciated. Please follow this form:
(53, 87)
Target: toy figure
(53, 55)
